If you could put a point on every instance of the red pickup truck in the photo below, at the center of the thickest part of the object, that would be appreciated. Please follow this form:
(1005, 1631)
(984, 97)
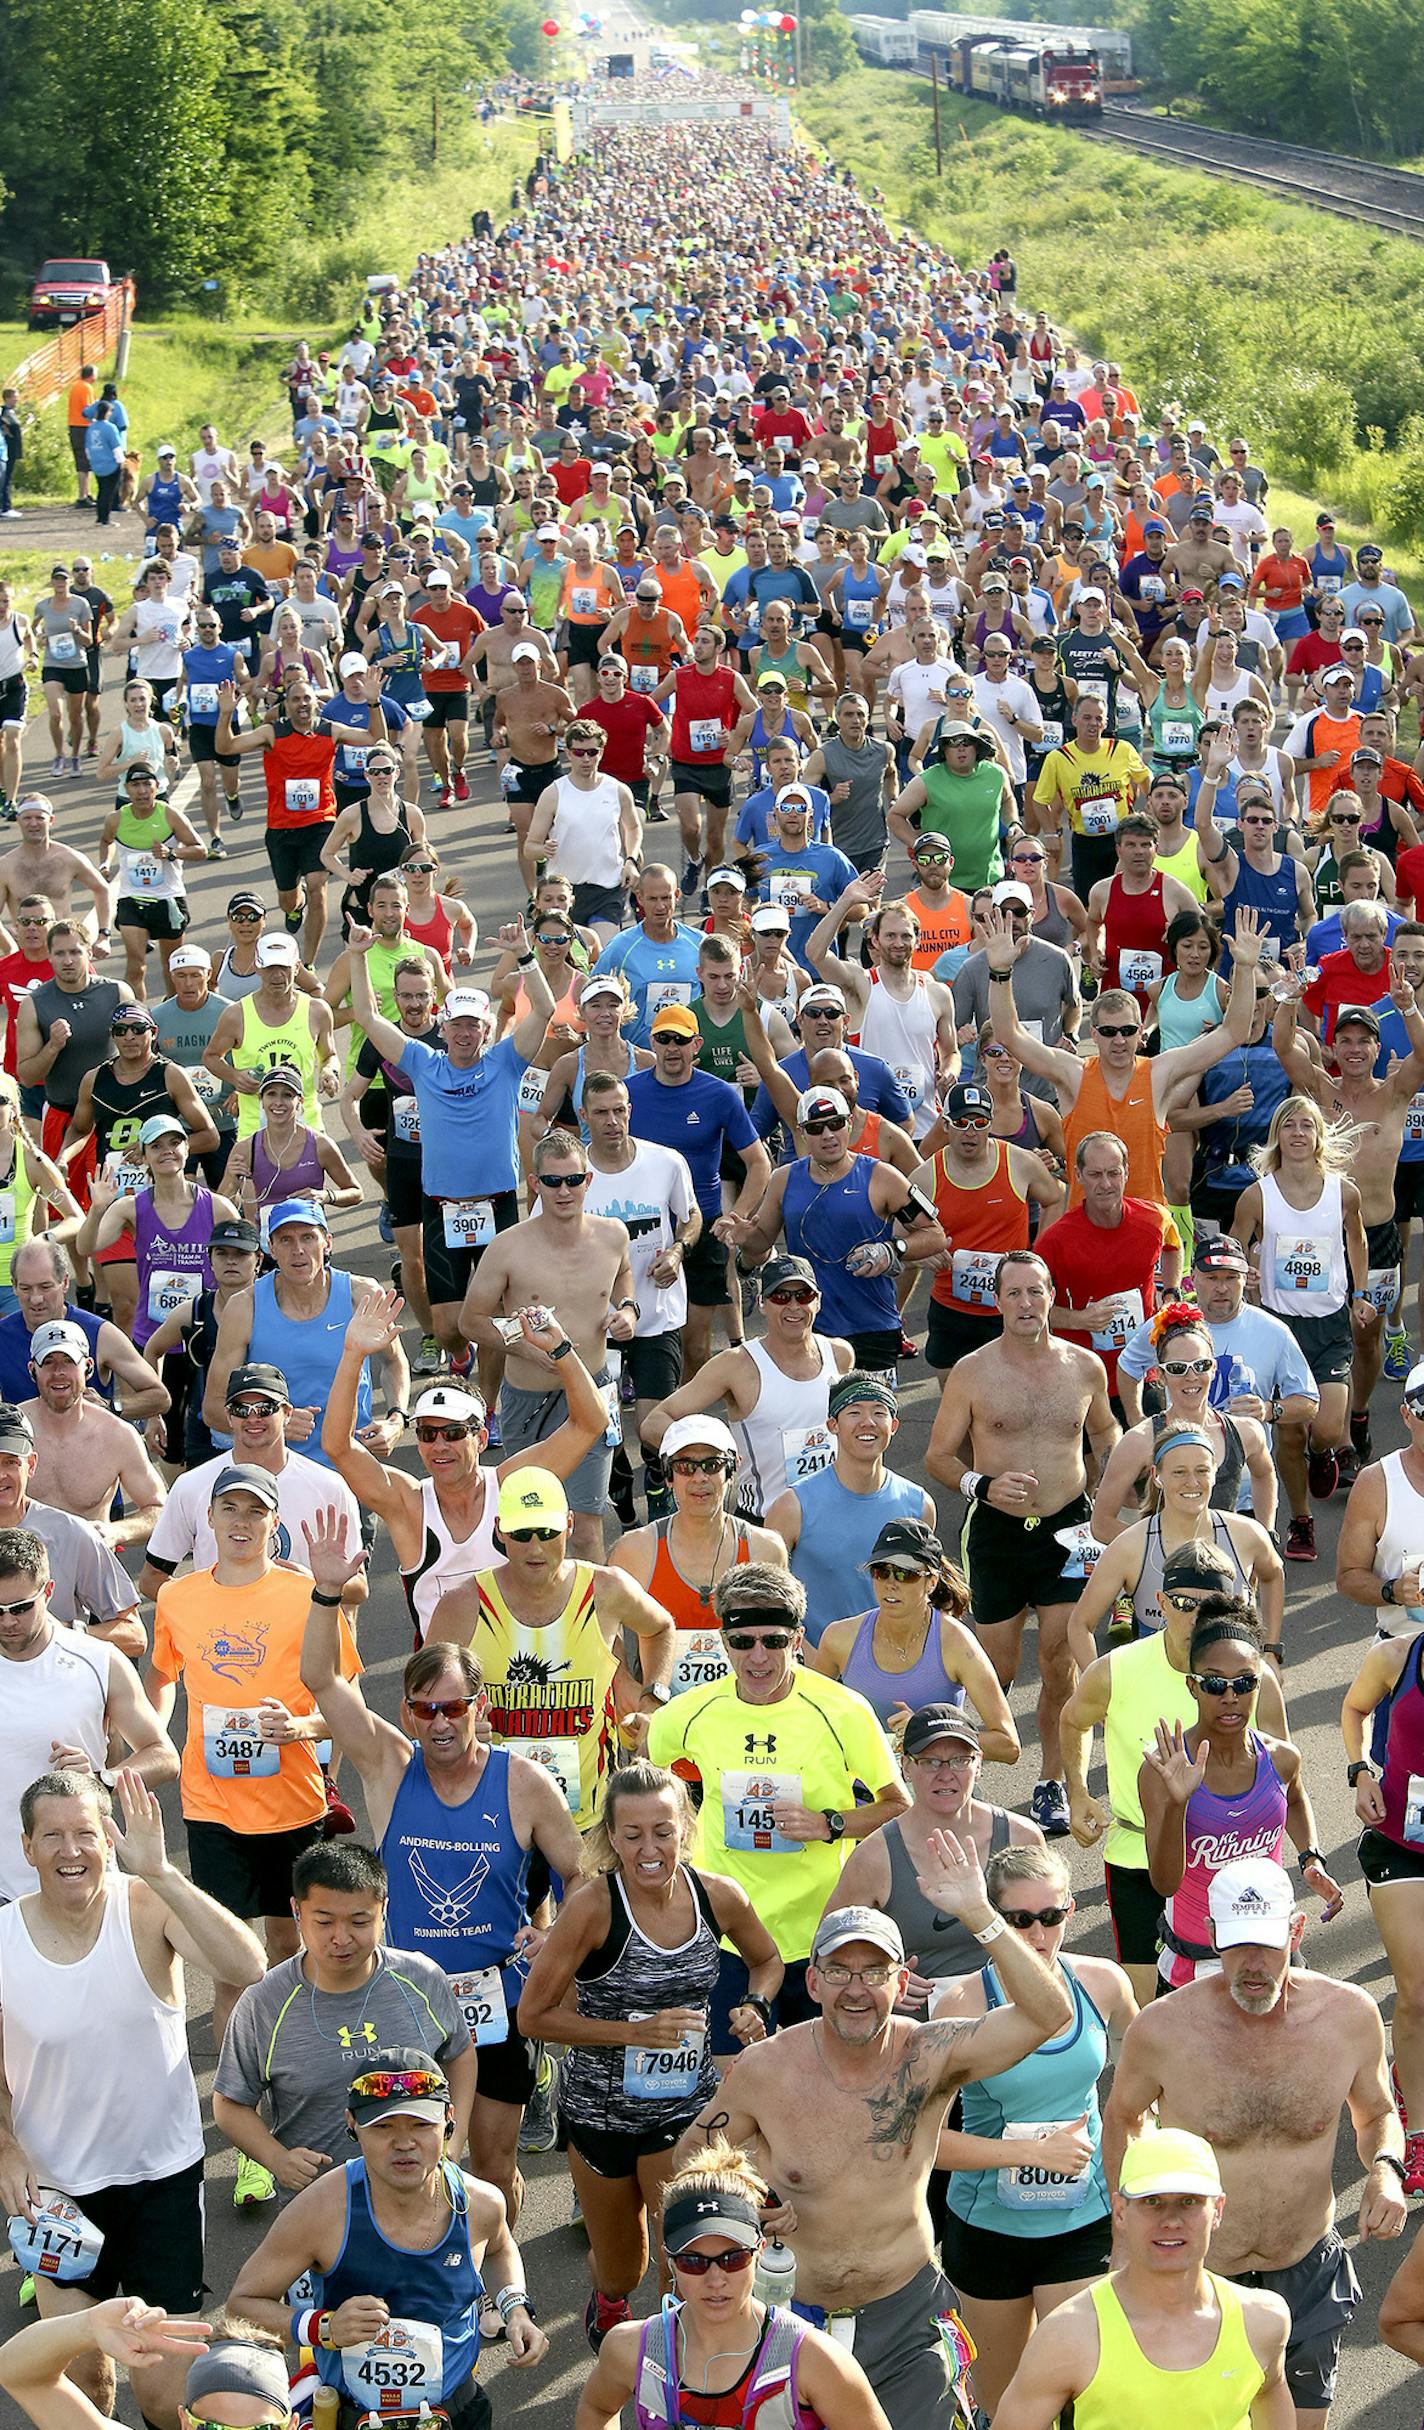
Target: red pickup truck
(65, 290)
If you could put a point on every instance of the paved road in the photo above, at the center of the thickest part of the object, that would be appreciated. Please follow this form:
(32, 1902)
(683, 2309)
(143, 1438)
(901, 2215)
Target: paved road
(1325, 1636)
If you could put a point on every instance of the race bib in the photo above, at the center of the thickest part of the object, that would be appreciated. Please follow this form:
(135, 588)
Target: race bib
(302, 793)
(644, 679)
(748, 1819)
(700, 1660)
(63, 647)
(1138, 968)
(560, 1758)
(168, 1290)
(1098, 814)
(1382, 1287)
(356, 756)
(972, 1273)
(805, 1450)
(661, 992)
(1328, 583)
(1022, 2187)
(508, 777)
(857, 615)
(1302, 1264)
(129, 1178)
(1082, 1548)
(532, 1084)
(468, 1223)
(1152, 588)
(145, 875)
(447, 654)
(1128, 1313)
(913, 1081)
(7, 1215)
(61, 2244)
(789, 888)
(1414, 1117)
(397, 2371)
(663, 2075)
(405, 1121)
(1414, 1811)
(1052, 734)
(1177, 735)
(583, 601)
(233, 1746)
(1093, 687)
(203, 699)
(482, 2004)
(705, 734)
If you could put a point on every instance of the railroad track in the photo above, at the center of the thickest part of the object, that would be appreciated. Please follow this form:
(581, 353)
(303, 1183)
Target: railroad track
(1362, 190)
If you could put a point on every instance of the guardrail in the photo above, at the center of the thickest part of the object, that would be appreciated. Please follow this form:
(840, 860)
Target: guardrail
(45, 374)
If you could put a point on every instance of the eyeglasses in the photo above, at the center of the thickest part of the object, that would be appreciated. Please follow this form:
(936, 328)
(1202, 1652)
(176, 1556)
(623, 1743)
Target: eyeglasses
(873, 1977)
(903, 1573)
(1216, 1683)
(381, 2082)
(561, 1181)
(1023, 1919)
(1187, 1366)
(532, 1535)
(713, 1464)
(451, 1708)
(737, 1640)
(791, 1295)
(1117, 1029)
(426, 1431)
(827, 1122)
(696, 2265)
(958, 1762)
(252, 1409)
(13, 1611)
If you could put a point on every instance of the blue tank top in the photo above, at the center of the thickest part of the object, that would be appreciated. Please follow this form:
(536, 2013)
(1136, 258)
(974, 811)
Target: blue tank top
(458, 1875)
(757, 743)
(1053, 2085)
(164, 503)
(307, 1349)
(1273, 898)
(838, 1529)
(860, 602)
(402, 681)
(441, 2288)
(824, 1221)
(925, 1682)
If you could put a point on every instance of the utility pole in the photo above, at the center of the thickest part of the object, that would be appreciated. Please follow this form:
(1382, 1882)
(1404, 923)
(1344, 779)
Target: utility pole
(934, 88)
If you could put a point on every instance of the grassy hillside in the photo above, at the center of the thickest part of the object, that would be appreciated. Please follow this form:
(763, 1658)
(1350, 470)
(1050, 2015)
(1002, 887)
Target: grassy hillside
(1301, 331)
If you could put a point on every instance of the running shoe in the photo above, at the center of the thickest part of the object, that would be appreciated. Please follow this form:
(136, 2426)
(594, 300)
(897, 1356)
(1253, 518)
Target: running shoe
(234, 811)
(494, 1439)
(1048, 1807)
(1399, 2101)
(602, 2313)
(253, 2185)
(655, 815)
(691, 877)
(385, 1227)
(1397, 1361)
(445, 800)
(1347, 1464)
(292, 920)
(7, 810)
(340, 1821)
(1300, 1540)
(76, 765)
(427, 1360)
(1362, 1442)
(1414, 2164)
(56, 765)
(1323, 1469)
(908, 1349)
(27, 2290)
(462, 786)
(539, 2131)
(217, 849)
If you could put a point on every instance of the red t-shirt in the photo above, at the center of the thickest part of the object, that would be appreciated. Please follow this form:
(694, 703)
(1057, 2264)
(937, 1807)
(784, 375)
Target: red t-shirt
(779, 425)
(17, 976)
(1088, 1263)
(627, 723)
(1408, 883)
(297, 769)
(1312, 652)
(701, 706)
(571, 480)
(454, 628)
(1342, 982)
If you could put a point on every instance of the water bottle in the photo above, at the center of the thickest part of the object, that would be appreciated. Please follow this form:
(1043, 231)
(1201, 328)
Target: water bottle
(326, 2405)
(613, 1367)
(775, 2279)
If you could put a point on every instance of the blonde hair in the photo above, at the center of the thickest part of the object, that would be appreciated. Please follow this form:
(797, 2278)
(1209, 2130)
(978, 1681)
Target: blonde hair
(1029, 1864)
(1171, 1434)
(634, 1780)
(723, 2168)
(1337, 1143)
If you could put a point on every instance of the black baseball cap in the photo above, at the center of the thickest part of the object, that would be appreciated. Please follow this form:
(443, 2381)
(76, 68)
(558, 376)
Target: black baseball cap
(234, 1233)
(257, 1375)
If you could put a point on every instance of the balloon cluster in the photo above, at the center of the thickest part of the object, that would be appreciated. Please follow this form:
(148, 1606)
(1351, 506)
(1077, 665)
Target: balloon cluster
(586, 27)
(767, 20)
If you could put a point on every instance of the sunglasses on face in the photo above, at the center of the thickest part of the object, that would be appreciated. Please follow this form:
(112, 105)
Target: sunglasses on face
(453, 1431)
(685, 1464)
(381, 2082)
(970, 1122)
(242, 917)
(790, 1295)
(14, 1611)
(1216, 1683)
(827, 1122)
(1023, 1919)
(585, 751)
(1117, 1029)
(736, 1640)
(669, 1037)
(452, 1708)
(902, 1574)
(532, 1535)
(1345, 818)
(561, 1181)
(696, 2265)
(420, 868)
(252, 1409)
(1187, 1366)
(1185, 1604)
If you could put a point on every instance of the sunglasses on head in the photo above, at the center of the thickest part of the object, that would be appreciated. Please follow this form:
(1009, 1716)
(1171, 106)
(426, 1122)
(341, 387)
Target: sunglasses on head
(381, 2082)
(532, 1535)
(1023, 1919)
(696, 2265)
(449, 1708)
(1216, 1683)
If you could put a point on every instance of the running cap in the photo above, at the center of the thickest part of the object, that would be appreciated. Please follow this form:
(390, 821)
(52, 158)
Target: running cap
(272, 950)
(814, 1104)
(778, 1271)
(245, 900)
(1169, 2162)
(674, 1021)
(258, 1375)
(282, 1075)
(296, 1210)
(62, 1339)
(165, 1126)
(532, 1497)
(234, 1233)
(1221, 1255)
(769, 916)
(525, 649)
(967, 1097)
(846, 1924)
(1154, 523)
(547, 531)
(15, 1432)
(728, 877)
(466, 1004)
(908, 1540)
(830, 998)
(192, 957)
(240, 1476)
(721, 2214)
(386, 2096)
(350, 662)
(709, 1432)
(1357, 1016)
(451, 1401)
(230, 2368)
(934, 1721)
(439, 578)
(1012, 890)
(1336, 675)
(593, 986)
(1251, 1903)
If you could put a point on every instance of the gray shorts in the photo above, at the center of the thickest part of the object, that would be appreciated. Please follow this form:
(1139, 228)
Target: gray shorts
(900, 2347)
(1320, 2292)
(527, 1418)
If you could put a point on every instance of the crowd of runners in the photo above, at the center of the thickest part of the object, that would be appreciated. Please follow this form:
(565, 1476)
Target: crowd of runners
(972, 858)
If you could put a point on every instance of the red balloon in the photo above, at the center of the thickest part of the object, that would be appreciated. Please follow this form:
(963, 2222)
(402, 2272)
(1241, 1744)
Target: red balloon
(788, 25)
(550, 27)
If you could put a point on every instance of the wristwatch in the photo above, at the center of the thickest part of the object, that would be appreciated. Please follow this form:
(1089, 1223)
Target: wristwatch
(659, 1690)
(834, 1822)
(1389, 2160)
(1386, 1592)
(1354, 1770)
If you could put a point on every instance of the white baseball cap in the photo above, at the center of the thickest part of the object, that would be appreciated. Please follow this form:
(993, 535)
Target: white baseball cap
(525, 649)
(67, 1339)
(351, 662)
(188, 957)
(1251, 1902)
(708, 1432)
(466, 1004)
(271, 950)
(451, 1401)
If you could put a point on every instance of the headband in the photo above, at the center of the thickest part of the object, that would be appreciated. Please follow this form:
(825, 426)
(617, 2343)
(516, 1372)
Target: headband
(1176, 1435)
(232, 2369)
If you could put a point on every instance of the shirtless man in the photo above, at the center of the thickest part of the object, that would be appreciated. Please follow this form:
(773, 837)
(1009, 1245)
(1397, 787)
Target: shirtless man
(491, 656)
(38, 865)
(1377, 1111)
(1262, 2056)
(897, 1012)
(529, 716)
(577, 1265)
(83, 1453)
(856, 2099)
(1023, 1402)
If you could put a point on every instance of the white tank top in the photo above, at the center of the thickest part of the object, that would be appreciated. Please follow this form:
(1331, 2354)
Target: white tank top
(60, 1695)
(1303, 1269)
(1401, 1544)
(584, 844)
(903, 1035)
(786, 1002)
(1221, 698)
(786, 1438)
(12, 650)
(444, 1562)
(1270, 776)
(97, 2064)
(158, 639)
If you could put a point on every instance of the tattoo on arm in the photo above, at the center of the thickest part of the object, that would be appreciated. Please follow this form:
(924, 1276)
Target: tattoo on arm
(897, 2108)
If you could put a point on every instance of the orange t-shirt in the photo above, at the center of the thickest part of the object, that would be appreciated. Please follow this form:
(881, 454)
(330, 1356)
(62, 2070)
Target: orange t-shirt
(81, 393)
(682, 593)
(275, 560)
(233, 1645)
(1281, 581)
(1132, 1117)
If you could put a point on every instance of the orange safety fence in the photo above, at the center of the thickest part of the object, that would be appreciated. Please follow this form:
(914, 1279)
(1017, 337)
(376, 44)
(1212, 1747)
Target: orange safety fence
(45, 374)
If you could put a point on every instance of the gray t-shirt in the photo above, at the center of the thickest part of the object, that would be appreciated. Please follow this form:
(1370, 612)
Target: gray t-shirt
(90, 1583)
(856, 515)
(1044, 991)
(291, 2050)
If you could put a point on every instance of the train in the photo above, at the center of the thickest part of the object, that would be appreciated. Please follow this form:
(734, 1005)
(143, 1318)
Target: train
(1060, 72)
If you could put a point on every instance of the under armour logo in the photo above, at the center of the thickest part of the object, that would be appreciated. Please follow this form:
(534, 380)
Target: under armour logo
(766, 1746)
(347, 2035)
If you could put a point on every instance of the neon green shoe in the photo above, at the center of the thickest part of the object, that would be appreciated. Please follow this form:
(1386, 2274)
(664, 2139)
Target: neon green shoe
(254, 2185)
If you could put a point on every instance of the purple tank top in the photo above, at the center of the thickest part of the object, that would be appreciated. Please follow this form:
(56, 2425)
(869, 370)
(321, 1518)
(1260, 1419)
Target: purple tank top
(923, 1683)
(304, 1179)
(172, 1266)
(1221, 1831)
(1402, 1777)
